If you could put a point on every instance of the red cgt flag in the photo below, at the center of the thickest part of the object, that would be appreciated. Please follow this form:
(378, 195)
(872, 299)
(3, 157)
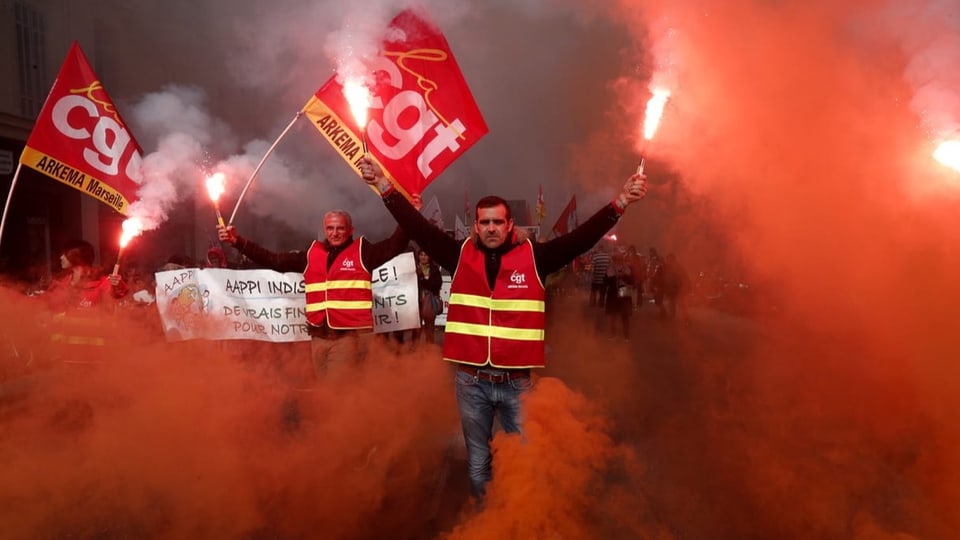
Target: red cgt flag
(568, 218)
(80, 139)
(423, 115)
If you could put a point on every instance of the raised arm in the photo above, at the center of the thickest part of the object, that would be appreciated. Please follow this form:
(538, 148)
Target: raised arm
(377, 253)
(293, 261)
(559, 252)
(441, 248)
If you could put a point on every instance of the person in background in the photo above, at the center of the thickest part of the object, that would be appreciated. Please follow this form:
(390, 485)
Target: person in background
(216, 258)
(619, 293)
(429, 283)
(638, 263)
(496, 315)
(599, 262)
(81, 284)
(81, 300)
(676, 288)
(655, 280)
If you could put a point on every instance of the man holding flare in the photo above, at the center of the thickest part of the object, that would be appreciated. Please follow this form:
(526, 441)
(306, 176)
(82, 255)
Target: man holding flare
(337, 276)
(495, 322)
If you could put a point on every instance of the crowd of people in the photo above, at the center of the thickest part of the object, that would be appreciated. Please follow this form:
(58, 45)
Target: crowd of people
(495, 328)
(622, 280)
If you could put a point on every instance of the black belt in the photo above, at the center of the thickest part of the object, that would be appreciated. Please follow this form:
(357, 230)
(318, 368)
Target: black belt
(494, 376)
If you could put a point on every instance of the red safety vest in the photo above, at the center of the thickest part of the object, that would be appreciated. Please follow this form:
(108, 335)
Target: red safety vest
(342, 295)
(83, 327)
(503, 327)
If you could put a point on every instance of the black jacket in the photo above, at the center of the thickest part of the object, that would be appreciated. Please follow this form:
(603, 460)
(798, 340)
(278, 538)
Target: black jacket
(549, 256)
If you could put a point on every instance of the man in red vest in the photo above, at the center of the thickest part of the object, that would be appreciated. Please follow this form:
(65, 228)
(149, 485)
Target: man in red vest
(495, 321)
(336, 275)
(82, 301)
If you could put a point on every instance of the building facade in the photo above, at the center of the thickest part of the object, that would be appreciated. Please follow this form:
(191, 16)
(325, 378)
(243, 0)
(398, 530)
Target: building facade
(43, 214)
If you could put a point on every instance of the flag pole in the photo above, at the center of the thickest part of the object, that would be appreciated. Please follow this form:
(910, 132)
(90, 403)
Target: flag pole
(6, 207)
(260, 165)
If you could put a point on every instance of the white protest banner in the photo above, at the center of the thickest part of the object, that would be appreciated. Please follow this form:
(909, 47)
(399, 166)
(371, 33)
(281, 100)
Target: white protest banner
(218, 303)
(445, 296)
(396, 304)
(263, 305)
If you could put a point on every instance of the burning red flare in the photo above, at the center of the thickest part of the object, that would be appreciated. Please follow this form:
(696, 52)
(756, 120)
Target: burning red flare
(216, 185)
(948, 153)
(132, 227)
(651, 121)
(654, 111)
(359, 98)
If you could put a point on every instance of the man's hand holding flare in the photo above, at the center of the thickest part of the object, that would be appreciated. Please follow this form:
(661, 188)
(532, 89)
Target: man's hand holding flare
(634, 189)
(373, 175)
(227, 234)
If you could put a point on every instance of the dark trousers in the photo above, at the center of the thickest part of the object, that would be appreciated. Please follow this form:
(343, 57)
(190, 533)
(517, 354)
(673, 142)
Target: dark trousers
(597, 294)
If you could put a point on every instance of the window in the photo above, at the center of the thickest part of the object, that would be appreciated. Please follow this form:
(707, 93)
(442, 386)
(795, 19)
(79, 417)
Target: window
(32, 56)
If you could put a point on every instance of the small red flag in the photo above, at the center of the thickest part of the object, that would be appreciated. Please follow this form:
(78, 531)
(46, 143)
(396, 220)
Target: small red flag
(568, 218)
(81, 140)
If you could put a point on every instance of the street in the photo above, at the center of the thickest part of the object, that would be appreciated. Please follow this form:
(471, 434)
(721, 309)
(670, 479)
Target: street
(720, 427)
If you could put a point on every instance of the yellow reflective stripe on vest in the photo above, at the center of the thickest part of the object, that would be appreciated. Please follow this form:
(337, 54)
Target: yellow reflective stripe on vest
(316, 287)
(348, 284)
(340, 304)
(349, 304)
(316, 306)
(485, 302)
(78, 340)
(503, 332)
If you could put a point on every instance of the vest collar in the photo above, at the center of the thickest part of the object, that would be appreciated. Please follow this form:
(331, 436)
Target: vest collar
(504, 247)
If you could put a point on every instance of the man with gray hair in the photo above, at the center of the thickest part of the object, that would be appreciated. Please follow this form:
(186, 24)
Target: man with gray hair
(336, 275)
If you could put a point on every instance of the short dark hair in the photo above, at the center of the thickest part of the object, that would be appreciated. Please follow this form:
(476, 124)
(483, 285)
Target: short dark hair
(79, 253)
(491, 201)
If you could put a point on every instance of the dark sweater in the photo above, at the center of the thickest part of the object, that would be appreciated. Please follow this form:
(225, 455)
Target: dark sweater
(549, 256)
(433, 283)
(374, 254)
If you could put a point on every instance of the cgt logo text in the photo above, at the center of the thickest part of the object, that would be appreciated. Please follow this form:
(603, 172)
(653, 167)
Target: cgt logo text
(348, 264)
(106, 140)
(395, 140)
(518, 279)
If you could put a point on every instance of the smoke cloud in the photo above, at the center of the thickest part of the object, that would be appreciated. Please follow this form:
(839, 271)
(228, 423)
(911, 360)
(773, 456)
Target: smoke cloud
(794, 159)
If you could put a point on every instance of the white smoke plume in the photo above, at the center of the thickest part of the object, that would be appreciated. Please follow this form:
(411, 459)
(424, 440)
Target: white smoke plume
(177, 123)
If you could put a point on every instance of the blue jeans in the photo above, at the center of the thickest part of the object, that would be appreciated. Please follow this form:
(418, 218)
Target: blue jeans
(479, 401)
